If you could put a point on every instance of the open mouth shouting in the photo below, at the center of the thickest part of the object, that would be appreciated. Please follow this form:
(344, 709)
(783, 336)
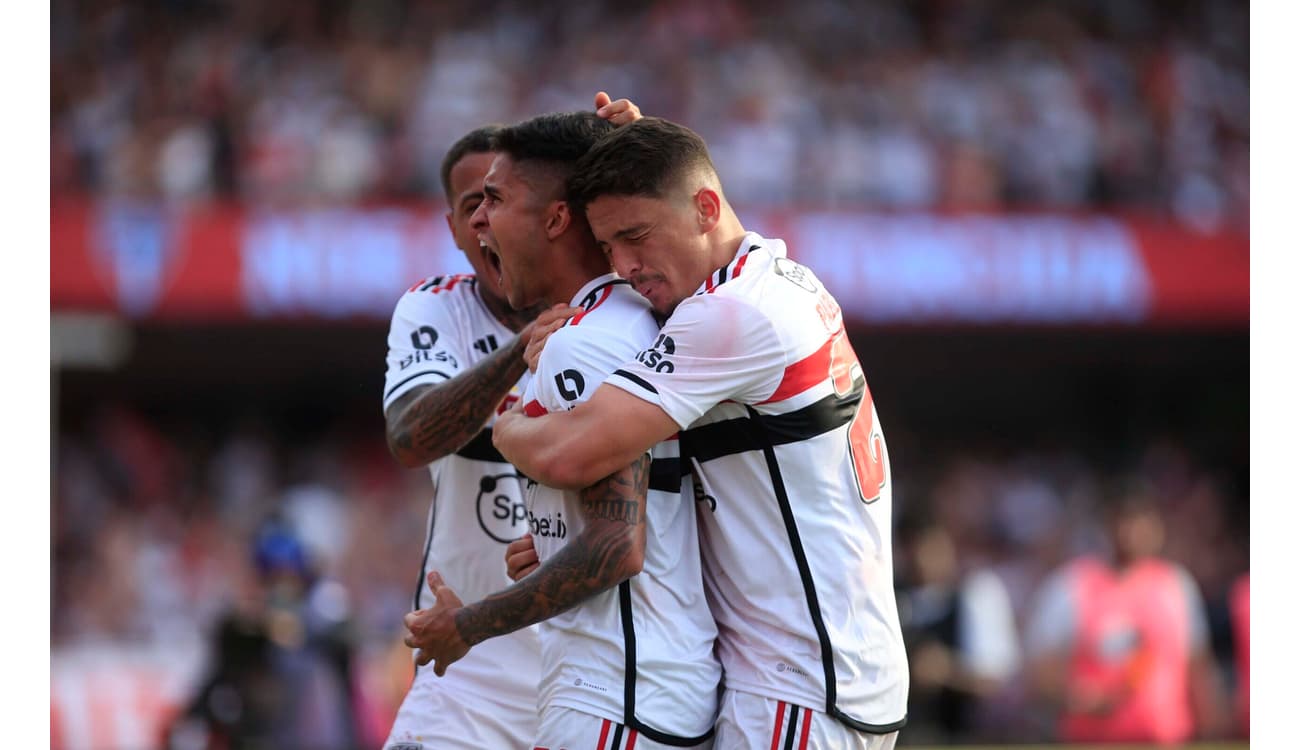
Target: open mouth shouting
(491, 257)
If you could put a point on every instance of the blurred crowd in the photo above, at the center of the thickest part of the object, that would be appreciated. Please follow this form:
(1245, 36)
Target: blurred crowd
(166, 533)
(986, 104)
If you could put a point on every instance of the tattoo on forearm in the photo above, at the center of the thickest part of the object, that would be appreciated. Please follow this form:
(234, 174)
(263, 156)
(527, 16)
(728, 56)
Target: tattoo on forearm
(432, 422)
(606, 553)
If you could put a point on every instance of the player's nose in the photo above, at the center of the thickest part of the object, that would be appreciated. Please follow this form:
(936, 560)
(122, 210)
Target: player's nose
(478, 220)
(625, 262)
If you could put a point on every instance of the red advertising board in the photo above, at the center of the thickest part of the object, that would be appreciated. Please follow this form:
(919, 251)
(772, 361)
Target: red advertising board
(148, 261)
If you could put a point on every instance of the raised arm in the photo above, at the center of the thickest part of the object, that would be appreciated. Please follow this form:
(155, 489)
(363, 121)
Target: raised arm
(436, 420)
(573, 449)
(609, 550)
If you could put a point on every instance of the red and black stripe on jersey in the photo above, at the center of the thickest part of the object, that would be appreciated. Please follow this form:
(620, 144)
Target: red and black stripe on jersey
(727, 272)
(446, 283)
(797, 721)
(595, 298)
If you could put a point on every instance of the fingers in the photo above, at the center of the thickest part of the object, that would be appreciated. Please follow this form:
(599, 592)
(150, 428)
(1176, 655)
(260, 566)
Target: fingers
(558, 312)
(444, 597)
(619, 112)
(521, 557)
(533, 352)
(547, 323)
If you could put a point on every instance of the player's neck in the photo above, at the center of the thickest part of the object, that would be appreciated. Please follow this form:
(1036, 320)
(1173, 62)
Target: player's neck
(509, 317)
(575, 268)
(725, 239)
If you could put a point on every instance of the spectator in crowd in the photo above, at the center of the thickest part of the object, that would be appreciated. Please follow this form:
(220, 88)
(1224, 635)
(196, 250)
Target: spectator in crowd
(1118, 645)
(893, 104)
(282, 672)
(960, 633)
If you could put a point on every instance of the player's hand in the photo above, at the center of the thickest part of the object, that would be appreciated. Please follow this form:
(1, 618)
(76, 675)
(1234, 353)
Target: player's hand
(521, 557)
(541, 329)
(433, 631)
(620, 112)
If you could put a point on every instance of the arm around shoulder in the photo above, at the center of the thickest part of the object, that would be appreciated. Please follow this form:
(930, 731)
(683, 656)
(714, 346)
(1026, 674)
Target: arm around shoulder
(577, 448)
(433, 421)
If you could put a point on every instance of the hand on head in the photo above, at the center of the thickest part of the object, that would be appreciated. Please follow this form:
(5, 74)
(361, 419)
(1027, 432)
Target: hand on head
(619, 112)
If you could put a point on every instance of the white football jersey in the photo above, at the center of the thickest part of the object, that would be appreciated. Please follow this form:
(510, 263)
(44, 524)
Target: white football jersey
(779, 427)
(640, 654)
(441, 328)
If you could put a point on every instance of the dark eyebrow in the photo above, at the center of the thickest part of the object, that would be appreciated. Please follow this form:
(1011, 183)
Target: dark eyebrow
(467, 197)
(622, 233)
(491, 190)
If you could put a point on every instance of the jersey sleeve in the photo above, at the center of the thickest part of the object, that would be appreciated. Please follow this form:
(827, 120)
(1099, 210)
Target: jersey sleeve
(714, 348)
(425, 344)
(569, 370)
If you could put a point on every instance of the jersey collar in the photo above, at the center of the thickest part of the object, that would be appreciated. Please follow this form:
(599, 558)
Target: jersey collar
(750, 242)
(590, 293)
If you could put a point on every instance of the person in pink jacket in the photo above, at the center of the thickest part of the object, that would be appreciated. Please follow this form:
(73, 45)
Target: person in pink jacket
(1118, 644)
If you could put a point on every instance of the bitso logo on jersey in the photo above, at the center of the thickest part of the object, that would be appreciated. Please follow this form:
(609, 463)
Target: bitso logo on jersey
(656, 356)
(501, 516)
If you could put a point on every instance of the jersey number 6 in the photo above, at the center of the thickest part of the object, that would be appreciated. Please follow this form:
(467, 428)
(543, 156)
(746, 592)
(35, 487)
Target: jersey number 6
(866, 444)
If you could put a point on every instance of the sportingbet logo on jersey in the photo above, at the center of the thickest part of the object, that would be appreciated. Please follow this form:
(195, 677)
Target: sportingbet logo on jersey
(500, 515)
(548, 525)
(656, 357)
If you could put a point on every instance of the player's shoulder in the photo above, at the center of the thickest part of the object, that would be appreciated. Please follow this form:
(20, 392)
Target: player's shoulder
(443, 284)
(578, 346)
(433, 292)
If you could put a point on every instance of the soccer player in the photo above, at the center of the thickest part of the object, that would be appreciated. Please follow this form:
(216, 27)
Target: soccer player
(454, 361)
(754, 369)
(627, 637)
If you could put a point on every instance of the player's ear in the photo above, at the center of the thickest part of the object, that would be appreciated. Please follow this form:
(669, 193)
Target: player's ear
(708, 208)
(558, 219)
(451, 227)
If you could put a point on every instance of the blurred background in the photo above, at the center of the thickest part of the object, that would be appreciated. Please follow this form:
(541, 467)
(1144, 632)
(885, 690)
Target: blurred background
(1035, 215)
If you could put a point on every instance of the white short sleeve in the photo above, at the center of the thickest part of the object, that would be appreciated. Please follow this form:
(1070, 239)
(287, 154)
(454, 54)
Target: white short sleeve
(714, 348)
(424, 343)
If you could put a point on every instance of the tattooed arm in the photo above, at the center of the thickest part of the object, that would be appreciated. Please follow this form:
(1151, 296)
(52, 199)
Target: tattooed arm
(433, 421)
(609, 550)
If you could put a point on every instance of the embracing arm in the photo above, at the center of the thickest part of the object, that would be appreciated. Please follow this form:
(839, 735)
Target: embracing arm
(573, 449)
(433, 421)
(610, 549)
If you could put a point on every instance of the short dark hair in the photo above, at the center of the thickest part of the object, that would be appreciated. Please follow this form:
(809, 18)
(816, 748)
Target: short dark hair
(644, 158)
(556, 140)
(477, 141)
